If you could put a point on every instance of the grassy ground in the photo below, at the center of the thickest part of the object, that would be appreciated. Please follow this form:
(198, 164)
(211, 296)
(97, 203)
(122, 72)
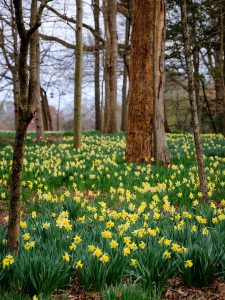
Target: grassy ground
(120, 229)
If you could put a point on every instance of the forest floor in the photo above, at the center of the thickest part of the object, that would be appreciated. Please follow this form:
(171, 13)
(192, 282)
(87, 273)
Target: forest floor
(92, 222)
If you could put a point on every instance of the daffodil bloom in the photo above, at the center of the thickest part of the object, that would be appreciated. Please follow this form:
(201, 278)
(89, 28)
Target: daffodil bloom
(45, 225)
(188, 263)
(79, 264)
(166, 254)
(133, 262)
(7, 261)
(104, 258)
(113, 244)
(97, 252)
(66, 257)
(26, 236)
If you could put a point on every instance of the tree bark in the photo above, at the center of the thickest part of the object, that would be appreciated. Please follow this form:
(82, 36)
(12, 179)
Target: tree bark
(161, 151)
(141, 90)
(47, 119)
(78, 75)
(125, 75)
(194, 111)
(98, 121)
(109, 11)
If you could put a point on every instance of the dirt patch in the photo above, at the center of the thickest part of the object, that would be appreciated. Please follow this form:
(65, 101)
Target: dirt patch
(54, 138)
(177, 291)
(6, 140)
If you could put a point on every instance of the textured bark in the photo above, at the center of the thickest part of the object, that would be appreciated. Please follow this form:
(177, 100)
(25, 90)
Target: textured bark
(109, 11)
(125, 74)
(98, 121)
(78, 75)
(161, 151)
(194, 111)
(141, 91)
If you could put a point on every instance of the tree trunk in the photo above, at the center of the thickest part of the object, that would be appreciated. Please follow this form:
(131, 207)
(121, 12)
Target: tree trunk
(194, 111)
(125, 74)
(109, 11)
(97, 66)
(161, 151)
(39, 119)
(78, 75)
(26, 111)
(141, 90)
(46, 111)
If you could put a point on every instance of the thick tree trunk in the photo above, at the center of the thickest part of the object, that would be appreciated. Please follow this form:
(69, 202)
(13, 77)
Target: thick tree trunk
(109, 10)
(98, 121)
(78, 75)
(141, 91)
(125, 79)
(194, 111)
(161, 151)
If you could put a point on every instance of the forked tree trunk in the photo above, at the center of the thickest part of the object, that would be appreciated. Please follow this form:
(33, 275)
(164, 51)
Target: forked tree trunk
(141, 90)
(161, 151)
(194, 111)
(78, 75)
(98, 121)
(26, 111)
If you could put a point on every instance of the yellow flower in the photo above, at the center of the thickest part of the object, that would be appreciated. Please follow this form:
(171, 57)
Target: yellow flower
(193, 228)
(104, 258)
(34, 214)
(205, 231)
(113, 244)
(142, 245)
(188, 263)
(133, 262)
(23, 224)
(35, 297)
(166, 254)
(7, 261)
(46, 225)
(66, 257)
(73, 246)
(26, 236)
(97, 252)
(77, 239)
(79, 264)
(91, 248)
(126, 251)
(29, 245)
(107, 234)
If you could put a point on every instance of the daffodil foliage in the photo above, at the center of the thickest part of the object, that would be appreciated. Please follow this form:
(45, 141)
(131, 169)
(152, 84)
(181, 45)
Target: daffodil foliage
(88, 214)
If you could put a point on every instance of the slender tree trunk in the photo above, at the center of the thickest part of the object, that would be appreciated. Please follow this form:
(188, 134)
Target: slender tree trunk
(161, 151)
(125, 74)
(194, 111)
(46, 110)
(208, 107)
(141, 90)
(39, 119)
(97, 66)
(15, 78)
(110, 10)
(78, 75)
(222, 59)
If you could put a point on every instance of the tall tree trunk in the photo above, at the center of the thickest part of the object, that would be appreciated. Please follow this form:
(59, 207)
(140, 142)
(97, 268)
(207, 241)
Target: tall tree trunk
(222, 58)
(15, 78)
(109, 11)
(26, 111)
(78, 75)
(125, 74)
(97, 66)
(161, 151)
(141, 91)
(194, 111)
(39, 119)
